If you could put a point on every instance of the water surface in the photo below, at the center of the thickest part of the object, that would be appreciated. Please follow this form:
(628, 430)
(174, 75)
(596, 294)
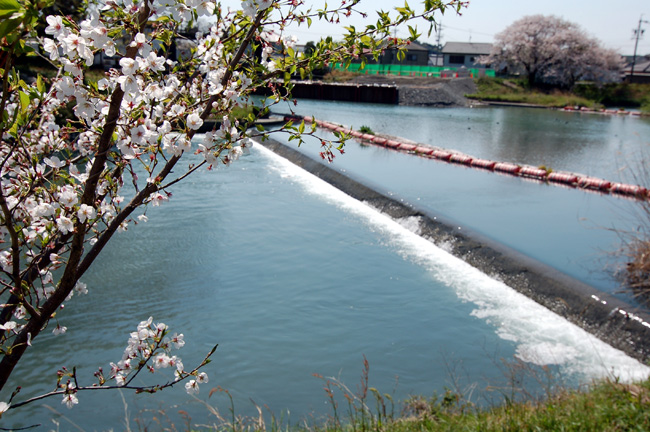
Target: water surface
(291, 277)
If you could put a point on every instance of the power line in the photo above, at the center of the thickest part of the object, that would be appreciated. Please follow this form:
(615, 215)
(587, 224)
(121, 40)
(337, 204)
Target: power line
(470, 31)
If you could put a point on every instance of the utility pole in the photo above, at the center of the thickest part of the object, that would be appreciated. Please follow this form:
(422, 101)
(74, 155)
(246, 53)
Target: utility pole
(438, 45)
(638, 34)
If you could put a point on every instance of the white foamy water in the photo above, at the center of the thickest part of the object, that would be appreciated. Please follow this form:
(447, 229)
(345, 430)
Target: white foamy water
(541, 336)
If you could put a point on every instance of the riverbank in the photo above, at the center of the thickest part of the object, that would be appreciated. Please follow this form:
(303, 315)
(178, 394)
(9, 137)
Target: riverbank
(607, 406)
(586, 96)
(455, 92)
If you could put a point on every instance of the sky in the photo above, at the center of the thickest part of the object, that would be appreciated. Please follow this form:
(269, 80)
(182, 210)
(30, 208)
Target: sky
(611, 22)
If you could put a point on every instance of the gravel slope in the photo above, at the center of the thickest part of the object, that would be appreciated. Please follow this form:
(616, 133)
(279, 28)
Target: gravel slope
(442, 92)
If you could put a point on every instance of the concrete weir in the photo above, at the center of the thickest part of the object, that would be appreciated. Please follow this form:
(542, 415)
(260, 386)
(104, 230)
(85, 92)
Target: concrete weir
(608, 318)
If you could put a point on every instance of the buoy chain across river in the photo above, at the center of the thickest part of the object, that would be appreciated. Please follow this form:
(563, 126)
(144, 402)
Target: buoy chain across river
(525, 171)
(604, 111)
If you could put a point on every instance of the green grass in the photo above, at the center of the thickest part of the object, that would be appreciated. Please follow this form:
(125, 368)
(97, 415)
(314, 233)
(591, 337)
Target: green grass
(583, 94)
(607, 406)
(514, 91)
(616, 95)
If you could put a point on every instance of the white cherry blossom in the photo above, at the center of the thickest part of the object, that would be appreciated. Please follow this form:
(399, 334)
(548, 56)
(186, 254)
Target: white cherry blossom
(192, 387)
(69, 400)
(85, 212)
(194, 121)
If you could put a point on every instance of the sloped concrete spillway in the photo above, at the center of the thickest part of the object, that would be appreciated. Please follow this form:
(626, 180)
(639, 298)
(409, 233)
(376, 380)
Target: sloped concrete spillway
(608, 318)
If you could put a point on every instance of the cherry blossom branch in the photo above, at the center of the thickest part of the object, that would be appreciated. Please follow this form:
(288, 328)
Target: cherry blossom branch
(137, 389)
(70, 276)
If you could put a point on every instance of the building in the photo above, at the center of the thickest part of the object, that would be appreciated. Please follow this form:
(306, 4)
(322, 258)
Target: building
(641, 71)
(458, 54)
(415, 55)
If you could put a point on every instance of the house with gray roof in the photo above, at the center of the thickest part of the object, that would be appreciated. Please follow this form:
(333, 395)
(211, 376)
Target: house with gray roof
(458, 54)
(639, 72)
(415, 55)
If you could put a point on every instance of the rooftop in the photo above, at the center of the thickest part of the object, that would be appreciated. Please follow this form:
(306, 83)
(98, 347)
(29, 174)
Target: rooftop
(477, 48)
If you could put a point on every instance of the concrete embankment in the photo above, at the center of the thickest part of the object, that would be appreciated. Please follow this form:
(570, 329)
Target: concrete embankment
(603, 315)
(344, 92)
(388, 89)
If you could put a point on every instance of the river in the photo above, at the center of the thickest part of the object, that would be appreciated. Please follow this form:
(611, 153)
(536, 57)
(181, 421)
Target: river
(292, 278)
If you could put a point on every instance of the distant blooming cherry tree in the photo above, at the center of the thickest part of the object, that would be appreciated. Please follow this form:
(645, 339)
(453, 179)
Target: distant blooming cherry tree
(70, 144)
(550, 50)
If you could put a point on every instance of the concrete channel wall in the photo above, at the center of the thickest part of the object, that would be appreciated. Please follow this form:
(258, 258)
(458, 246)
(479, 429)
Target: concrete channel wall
(608, 318)
(370, 93)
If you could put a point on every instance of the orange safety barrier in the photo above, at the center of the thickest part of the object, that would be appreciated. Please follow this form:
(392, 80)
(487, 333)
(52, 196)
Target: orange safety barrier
(530, 171)
(483, 163)
(461, 158)
(441, 154)
(424, 150)
(507, 167)
(570, 179)
(560, 177)
(628, 189)
(593, 183)
(407, 147)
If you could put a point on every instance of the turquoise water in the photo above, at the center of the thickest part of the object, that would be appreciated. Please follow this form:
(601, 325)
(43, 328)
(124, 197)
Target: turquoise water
(290, 277)
(605, 146)
(574, 231)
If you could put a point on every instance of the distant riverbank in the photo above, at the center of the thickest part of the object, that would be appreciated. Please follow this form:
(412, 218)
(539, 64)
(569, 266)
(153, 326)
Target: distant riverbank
(464, 92)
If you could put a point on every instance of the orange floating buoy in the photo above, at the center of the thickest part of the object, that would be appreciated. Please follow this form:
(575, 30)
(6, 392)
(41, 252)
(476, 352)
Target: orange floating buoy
(407, 147)
(424, 150)
(483, 163)
(441, 154)
(628, 189)
(593, 183)
(507, 167)
(461, 158)
(530, 171)
(560, 177)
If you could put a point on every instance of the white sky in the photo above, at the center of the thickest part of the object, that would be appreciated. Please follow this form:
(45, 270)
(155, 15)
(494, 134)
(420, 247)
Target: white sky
(612, 22)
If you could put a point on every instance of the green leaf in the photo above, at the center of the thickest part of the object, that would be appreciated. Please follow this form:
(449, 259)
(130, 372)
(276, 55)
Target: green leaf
(8, 27)
(14, 129)
(413, 32)
(24, 101)
(8, 7)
